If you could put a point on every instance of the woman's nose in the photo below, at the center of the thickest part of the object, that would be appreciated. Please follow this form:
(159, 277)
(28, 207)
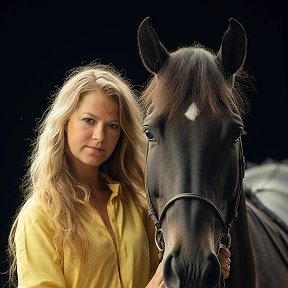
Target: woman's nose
(99, 133)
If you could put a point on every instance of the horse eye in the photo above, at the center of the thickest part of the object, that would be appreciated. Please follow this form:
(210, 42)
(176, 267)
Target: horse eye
(149, 134)
(235, 138)
(236, 131)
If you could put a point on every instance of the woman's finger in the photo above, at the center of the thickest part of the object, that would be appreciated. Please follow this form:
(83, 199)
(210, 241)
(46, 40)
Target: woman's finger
(224, 251)
(225, 261)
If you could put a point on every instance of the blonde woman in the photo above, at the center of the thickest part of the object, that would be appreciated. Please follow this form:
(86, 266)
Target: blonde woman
(84, 220)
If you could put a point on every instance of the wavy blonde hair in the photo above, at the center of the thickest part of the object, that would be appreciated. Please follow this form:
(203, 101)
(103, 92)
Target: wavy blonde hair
(48, 176)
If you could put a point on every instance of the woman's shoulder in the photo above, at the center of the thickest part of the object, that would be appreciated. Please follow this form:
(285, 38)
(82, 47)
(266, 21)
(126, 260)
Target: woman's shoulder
(34, 228)
(33, 210)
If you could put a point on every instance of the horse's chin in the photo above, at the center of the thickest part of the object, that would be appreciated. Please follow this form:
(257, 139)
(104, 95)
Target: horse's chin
(203, 273)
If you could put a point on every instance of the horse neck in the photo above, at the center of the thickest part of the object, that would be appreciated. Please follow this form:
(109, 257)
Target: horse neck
(242, 257)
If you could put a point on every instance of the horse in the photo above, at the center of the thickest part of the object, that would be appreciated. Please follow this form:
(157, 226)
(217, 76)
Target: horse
(195, 167)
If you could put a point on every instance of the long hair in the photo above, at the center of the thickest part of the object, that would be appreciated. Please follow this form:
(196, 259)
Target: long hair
(48, 176)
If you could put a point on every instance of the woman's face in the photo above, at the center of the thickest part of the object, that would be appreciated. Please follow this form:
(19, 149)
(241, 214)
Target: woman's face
(93, 130)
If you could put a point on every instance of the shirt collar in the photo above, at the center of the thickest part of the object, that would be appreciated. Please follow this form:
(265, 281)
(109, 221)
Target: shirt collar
(114, 186)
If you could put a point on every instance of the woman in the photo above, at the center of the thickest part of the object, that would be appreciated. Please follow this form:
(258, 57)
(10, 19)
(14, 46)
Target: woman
(84, 220)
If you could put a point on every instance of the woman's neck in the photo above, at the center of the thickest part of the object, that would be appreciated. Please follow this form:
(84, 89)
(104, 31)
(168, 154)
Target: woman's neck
(89, 176)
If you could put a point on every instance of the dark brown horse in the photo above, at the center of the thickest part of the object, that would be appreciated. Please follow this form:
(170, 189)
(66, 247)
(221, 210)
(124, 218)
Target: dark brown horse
(195, 168)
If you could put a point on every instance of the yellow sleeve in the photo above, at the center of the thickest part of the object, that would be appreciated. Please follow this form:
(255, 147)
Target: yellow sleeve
(38, 261)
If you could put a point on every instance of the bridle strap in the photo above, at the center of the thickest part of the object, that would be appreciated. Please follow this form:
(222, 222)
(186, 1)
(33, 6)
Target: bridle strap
(195, 197)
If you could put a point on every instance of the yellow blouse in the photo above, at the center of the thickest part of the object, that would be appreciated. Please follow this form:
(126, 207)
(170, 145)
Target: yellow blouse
(128, 263)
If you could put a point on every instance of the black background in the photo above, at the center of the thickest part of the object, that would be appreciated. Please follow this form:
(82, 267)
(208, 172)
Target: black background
(42, 40)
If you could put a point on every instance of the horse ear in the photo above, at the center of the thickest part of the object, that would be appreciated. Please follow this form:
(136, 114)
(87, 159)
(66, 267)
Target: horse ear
(152, 52)
(232, 52)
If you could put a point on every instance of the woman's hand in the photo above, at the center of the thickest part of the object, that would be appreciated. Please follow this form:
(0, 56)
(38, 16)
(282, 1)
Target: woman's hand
(224, 258)
(157, 280)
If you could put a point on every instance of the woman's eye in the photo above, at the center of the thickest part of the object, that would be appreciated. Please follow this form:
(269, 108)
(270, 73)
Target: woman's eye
(149, 134)
(113, 125)
(88, 120)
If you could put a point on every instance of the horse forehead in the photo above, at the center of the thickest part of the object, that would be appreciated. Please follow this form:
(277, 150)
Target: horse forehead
(192, 111)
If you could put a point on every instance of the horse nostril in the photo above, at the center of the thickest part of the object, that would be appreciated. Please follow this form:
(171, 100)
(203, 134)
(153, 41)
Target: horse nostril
(170, 273)
(211, 271)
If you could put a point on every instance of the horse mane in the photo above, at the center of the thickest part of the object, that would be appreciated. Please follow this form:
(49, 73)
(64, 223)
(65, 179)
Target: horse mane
(192, 74)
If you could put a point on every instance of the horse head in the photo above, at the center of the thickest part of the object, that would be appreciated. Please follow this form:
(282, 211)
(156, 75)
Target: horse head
(194, 166)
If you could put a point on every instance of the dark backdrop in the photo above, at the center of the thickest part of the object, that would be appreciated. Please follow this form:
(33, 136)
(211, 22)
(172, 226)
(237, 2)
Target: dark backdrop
(42, 40)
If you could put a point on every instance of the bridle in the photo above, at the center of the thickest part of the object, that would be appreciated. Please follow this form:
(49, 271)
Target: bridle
(225, 237)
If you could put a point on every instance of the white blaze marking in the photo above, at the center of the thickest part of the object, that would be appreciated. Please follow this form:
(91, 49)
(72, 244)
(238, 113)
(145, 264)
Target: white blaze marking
(192, 112)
